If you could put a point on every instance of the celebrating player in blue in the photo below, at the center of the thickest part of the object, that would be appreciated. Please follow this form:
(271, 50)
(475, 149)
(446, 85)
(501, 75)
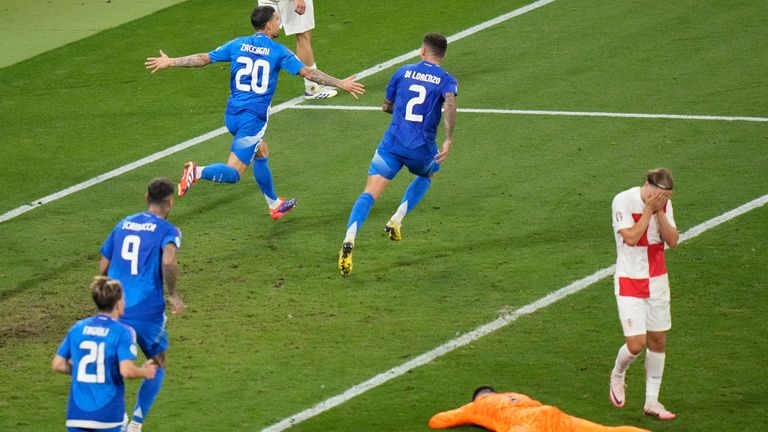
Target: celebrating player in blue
(416, 93)
(98, 352)
(256, 62)
(140, 252)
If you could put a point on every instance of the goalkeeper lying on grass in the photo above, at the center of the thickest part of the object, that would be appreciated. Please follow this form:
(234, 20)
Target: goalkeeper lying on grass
(514, 412)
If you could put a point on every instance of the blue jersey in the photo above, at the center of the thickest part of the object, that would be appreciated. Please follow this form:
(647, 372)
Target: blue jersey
(96, 346)
(135, 251)
(256, 62)
(418, 91)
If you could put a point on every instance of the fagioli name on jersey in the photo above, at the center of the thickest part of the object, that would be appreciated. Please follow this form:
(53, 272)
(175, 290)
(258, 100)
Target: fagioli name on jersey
(422, 77)
(95, 331)
(254, 49)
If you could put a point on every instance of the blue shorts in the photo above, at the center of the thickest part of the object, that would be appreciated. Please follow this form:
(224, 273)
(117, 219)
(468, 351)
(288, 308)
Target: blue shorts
(74, 429)
(152, 337)
(388, 164)
(248, 131)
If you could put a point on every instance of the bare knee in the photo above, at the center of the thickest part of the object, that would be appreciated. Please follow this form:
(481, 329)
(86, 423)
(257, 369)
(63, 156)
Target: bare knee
(159, 360)
(304, 39)
(636, 344)
(262, 150)
(657, 341)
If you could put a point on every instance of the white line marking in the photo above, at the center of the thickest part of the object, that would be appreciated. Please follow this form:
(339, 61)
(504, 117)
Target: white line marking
(106, 176)
(552, 113)
(486, 329)
(293, 102)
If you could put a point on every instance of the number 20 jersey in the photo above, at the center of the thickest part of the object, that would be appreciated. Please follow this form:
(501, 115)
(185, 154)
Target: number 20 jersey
(418, 91)
(135, 251)
(255, 65)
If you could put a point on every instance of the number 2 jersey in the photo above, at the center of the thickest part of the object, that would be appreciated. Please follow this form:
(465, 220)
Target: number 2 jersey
(255, 65)
(418, 91)
(96, 346)
(135, 251)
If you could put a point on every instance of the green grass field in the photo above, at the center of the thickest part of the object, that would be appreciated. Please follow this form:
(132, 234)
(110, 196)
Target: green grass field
(521, 209)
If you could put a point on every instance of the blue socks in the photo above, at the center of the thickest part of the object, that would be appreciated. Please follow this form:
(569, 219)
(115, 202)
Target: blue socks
(358, 215)
(147, 393)
(263, 177)
(416, 191)
(220, 173)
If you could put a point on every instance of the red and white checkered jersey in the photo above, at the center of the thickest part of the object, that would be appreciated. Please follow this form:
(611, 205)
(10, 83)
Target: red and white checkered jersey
(637, 265)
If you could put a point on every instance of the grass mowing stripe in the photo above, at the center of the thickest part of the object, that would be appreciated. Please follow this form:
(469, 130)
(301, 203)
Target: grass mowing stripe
(497, 324)
(555, 113)
(220, 131)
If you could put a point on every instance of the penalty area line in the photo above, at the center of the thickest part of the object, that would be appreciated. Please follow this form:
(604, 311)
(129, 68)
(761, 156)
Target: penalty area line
(492, 326)
(554, 113)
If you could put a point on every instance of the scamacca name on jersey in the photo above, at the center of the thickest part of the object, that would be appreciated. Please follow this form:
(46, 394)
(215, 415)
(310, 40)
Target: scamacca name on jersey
(422, 77)
(133, 226)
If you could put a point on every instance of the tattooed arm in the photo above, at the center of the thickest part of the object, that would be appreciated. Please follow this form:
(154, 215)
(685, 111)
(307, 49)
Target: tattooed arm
(162, 62)
(349, 85)
(449, 105)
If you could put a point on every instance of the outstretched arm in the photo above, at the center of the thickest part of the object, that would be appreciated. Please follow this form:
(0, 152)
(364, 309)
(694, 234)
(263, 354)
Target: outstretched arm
(349, 84)
(162, 62)
(450, 120)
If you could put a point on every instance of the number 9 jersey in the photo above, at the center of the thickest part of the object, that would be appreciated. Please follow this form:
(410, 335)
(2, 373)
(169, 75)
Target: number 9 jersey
(256, 62)
(135, 251)
(96, 346)
(418, 91)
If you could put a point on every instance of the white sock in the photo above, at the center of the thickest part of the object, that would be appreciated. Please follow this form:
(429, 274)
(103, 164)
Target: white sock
(198, 171)
(307, 83)
(654, 370)
(623, 359)
(400, 213)
(351, 233)
(273, 203)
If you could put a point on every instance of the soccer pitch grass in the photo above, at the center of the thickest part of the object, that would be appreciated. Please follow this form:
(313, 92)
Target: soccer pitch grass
(32, 27)
(521, 209)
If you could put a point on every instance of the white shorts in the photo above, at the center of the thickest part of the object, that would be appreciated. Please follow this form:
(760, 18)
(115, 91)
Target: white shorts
(641, 315)
(292, 22)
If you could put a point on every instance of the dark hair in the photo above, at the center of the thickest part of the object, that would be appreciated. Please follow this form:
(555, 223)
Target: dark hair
(660, 177)
(261, 16)
(481, 391)
(106, 292)
(436, 44)
(159, 190)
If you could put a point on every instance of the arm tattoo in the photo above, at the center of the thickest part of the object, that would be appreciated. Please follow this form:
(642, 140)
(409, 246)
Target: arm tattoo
(323, 78)
(195, 60)
(450, 114)
(170, 274)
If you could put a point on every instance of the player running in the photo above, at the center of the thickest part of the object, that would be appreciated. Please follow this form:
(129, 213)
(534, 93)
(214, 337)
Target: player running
(256, 62)
(415, 95)
(98, 352)
(140, 252)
